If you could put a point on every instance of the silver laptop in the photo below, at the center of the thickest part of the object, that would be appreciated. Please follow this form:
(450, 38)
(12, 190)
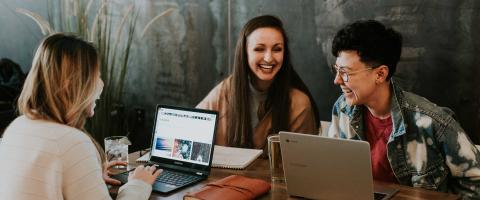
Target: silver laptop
(182, 145)
(319, 167)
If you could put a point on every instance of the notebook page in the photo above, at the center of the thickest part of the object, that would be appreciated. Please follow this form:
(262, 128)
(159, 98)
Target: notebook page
(234, 158)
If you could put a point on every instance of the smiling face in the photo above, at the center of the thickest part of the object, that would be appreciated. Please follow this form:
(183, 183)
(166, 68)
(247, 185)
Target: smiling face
(361, 86)
(265, 50)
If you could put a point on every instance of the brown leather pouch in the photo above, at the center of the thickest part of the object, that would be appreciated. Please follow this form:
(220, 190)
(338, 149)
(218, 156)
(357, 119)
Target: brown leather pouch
(233, 187)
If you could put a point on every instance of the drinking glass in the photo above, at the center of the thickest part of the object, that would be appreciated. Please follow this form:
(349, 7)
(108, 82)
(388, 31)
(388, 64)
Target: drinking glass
(275, 158)
(116, 148)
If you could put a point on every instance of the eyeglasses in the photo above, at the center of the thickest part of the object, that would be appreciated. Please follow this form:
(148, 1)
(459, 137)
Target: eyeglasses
(344, 74)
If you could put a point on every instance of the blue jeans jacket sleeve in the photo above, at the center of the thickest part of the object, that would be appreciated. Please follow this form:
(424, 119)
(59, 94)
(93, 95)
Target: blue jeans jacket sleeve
(427, 148)
(463, 161)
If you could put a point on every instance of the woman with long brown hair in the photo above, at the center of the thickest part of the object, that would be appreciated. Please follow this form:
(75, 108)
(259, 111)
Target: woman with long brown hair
(264, 94)
(45, 152)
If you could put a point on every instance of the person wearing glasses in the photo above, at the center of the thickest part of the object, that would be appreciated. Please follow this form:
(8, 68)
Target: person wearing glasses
(412, 141)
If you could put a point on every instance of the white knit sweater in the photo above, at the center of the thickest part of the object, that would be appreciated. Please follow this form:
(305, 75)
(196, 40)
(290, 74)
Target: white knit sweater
(45, 160)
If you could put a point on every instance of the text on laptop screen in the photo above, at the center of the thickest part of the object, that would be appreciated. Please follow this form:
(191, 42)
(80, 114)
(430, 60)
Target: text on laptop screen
(183, 135)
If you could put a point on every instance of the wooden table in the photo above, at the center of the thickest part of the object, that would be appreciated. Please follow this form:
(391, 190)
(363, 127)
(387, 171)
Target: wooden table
(260, 169)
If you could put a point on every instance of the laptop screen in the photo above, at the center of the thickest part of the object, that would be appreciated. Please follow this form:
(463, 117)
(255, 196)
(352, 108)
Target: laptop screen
(183, 135)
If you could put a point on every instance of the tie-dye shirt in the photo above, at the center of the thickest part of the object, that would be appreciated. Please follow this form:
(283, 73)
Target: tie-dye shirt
(427, 147)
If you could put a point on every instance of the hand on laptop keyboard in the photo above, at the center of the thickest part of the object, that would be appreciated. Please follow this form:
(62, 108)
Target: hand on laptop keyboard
(146, 173)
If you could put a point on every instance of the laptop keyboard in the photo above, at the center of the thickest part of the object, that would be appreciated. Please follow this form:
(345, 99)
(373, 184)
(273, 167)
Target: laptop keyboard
(175, 178)
(379, 196)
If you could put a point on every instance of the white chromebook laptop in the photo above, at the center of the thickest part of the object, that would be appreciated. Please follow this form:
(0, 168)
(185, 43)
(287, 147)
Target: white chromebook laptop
(319, 167)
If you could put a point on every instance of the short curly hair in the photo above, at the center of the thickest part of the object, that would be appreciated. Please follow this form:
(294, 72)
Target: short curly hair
(376, 44)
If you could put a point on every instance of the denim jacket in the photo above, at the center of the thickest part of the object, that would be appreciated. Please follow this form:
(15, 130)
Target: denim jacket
(427, 147)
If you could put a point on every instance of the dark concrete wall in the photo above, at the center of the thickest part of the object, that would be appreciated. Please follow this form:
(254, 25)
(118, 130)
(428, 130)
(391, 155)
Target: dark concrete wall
(19, 36)
(187, 53)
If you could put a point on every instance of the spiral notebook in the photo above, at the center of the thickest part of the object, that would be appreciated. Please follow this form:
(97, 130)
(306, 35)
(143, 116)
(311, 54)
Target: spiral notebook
(225, 157)
(143, 159)
(234, 158)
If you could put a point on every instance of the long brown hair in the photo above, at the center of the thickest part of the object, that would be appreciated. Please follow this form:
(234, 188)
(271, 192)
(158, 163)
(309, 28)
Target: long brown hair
(278, 100)
(61, 84)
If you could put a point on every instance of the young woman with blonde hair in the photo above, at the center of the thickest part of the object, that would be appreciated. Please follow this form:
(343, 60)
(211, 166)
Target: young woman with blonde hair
(45, 152)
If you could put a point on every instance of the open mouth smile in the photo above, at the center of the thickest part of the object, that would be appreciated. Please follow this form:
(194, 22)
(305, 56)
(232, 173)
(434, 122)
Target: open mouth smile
(265, 66)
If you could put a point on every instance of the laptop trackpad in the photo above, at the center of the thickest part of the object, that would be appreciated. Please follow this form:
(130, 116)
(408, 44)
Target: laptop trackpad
(163, 187)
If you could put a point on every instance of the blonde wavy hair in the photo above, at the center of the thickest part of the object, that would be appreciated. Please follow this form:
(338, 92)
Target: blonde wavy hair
(61, 84)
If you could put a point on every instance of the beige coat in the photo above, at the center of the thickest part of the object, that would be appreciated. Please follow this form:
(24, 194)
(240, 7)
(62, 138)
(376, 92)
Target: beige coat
(302, 117)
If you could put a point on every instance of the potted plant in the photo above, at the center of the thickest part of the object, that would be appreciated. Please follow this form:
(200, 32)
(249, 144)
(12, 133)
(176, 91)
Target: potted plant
(113, 41)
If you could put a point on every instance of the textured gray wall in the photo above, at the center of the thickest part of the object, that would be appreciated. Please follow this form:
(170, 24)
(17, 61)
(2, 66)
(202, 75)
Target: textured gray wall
(186, 53)
(181, 56)
(19, 35)
(180, 59)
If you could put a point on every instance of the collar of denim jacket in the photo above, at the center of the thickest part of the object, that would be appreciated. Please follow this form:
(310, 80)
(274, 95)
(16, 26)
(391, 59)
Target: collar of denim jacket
(355, 113)
(399, 127)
